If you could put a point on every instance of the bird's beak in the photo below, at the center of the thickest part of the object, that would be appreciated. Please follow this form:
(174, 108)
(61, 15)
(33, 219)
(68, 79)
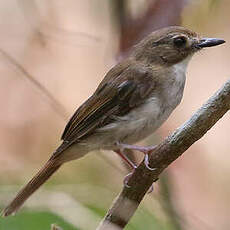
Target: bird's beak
(208, 42)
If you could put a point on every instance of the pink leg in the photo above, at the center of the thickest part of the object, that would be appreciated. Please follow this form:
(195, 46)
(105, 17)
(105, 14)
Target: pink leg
(130, 163)
(133, 166)
(144, 149)
(126, 159)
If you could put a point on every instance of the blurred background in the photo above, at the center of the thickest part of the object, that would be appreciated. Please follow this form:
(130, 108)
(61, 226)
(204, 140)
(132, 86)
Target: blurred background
(53, 54)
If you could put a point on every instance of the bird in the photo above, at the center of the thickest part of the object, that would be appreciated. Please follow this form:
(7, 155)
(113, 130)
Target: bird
(133, 100)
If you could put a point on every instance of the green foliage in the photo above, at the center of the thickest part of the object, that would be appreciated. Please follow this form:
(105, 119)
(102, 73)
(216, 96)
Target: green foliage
(42, 220)
(28, 220)
(143, 219)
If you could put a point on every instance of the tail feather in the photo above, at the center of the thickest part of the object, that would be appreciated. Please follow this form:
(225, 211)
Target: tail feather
(40, 178)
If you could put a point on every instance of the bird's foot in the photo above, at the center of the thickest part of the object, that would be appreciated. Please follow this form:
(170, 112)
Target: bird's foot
(147, 163)
(126, 179)
(134, 167)
(147, 150)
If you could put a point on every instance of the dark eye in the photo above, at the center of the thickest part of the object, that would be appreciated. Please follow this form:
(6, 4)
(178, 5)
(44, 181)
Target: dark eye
(180, 41)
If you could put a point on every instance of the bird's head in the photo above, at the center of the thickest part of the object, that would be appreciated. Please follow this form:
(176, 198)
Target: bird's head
(171, 45)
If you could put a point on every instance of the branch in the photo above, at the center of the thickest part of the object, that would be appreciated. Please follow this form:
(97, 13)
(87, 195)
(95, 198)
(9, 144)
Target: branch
(166, 152)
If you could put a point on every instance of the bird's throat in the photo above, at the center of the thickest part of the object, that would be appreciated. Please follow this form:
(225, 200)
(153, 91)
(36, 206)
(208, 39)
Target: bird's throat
(181, 67)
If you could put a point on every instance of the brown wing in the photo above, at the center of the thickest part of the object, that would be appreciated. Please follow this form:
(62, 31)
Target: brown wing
(115, 96)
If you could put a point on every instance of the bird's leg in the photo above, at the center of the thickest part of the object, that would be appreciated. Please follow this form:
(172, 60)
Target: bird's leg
(129, 162)
(132, 165)
(126, 159)
(144, 149)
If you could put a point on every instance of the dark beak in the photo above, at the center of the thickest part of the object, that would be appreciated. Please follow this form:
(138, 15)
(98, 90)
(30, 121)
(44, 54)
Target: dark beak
(208, 42)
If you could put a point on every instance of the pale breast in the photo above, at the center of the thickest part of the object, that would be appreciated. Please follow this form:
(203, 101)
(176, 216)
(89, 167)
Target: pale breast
(145, 119)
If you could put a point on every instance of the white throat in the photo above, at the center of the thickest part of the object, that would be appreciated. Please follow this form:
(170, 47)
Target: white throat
(180, 68)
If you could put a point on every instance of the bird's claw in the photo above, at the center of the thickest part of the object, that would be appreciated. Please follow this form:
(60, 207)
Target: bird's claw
(126, 179)
(147, 163)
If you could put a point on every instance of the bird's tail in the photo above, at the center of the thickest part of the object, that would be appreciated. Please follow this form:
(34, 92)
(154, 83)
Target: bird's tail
(40, 178)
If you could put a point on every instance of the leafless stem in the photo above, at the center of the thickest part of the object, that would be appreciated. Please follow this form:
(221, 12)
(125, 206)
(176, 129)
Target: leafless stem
(166, 152)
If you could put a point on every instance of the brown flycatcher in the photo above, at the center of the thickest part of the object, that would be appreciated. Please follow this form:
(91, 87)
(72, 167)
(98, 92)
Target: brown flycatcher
(135, 97)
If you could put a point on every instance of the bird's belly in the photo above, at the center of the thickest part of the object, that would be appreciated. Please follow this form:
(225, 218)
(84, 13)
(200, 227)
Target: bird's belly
(144, 121)
(138, 124)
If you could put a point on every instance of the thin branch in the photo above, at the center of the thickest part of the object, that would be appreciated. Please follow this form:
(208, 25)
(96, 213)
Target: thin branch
(125, 205)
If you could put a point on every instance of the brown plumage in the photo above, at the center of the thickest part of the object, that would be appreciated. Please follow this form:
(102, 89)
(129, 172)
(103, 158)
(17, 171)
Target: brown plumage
(132, 101)
(40, 178)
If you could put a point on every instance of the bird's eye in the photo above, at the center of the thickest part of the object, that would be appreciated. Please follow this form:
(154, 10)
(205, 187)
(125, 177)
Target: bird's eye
(180, 41)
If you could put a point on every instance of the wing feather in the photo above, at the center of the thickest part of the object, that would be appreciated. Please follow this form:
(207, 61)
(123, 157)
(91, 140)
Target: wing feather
(114, 97)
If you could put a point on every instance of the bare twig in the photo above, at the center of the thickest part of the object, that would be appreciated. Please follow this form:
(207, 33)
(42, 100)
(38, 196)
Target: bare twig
(166, 152)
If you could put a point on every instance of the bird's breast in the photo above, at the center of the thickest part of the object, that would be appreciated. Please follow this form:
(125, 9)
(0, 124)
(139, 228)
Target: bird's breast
(139, 123)
(143, 120)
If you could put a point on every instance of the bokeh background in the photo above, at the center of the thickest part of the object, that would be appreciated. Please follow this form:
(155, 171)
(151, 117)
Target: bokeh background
(53, 54)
